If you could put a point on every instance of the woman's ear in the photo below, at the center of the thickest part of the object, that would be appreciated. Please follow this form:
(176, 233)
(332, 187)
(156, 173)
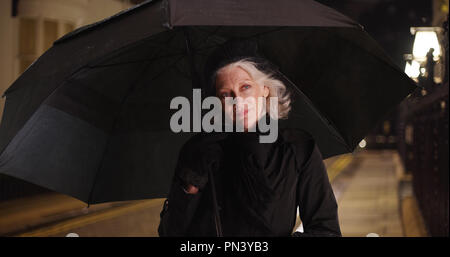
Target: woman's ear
(266, 91)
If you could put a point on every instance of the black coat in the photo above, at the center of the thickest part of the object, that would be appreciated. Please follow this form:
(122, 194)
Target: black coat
(259, 187)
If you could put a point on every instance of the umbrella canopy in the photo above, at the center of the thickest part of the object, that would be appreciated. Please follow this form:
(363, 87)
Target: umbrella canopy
(90, 118)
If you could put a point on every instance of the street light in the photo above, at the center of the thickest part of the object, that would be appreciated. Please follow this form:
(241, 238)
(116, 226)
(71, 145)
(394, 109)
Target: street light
(426, 38)
(416, 63)
(412, 69)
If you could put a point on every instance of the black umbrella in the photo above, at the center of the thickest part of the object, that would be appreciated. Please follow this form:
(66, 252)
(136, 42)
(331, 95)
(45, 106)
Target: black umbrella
(90, 118)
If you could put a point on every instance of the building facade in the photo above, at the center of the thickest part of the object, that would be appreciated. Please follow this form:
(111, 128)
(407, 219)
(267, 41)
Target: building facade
(29, 27)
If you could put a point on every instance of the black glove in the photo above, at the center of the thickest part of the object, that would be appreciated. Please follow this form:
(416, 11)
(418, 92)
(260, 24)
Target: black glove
(199, 155)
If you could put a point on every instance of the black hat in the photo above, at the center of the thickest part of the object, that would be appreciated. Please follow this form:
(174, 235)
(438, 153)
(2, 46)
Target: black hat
(231, 51)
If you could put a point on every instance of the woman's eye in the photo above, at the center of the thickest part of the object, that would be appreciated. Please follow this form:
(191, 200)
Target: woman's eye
(223, 95)
(246, 86)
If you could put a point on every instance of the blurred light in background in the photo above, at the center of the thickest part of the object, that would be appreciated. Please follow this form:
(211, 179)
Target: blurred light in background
(426, 38)
(363, 143)
(416, 63)
(412, 69)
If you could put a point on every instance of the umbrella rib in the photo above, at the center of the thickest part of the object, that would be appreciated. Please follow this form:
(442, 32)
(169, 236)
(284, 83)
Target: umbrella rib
(208, 36)
(133, 62)
(159, 46)
(328, 124)
(166, 69)
(182, 72)
(130, 90)
(389, 60)
(252, 36)
(112, 129)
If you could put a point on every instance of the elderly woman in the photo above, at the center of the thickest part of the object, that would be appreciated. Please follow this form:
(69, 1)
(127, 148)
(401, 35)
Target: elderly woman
(258, 186)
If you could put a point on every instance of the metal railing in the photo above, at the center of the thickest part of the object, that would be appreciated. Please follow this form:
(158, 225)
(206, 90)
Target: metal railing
(424, 149)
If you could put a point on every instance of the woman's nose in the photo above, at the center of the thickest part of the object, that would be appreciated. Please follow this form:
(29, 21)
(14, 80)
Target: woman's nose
(239, 94)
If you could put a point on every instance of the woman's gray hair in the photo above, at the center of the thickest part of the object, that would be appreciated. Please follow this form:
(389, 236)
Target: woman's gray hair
(276, 87)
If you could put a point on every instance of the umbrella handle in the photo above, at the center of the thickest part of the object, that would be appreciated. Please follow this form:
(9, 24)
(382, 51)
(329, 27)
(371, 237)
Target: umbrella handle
(215, 205)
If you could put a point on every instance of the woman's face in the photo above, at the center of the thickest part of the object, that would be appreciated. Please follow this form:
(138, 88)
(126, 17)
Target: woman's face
(237, 83)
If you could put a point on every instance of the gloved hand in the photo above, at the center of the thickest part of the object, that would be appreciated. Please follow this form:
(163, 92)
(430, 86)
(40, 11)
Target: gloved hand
(199, 155)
